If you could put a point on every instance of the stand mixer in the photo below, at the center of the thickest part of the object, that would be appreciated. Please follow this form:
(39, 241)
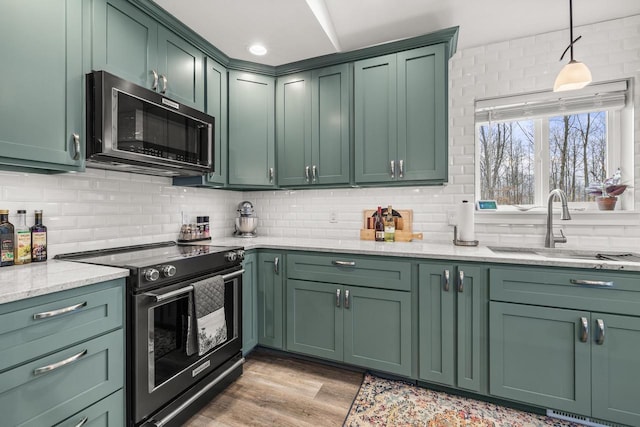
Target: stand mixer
(246, 221)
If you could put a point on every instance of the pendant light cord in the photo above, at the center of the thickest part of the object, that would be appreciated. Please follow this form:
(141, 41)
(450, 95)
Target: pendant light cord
(571, 40)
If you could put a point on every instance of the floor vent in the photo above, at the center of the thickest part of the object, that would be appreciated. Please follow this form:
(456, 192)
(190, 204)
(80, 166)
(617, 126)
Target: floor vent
(580, 419)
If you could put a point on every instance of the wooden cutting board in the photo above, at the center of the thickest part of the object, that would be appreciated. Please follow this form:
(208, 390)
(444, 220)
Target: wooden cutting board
(404, 226)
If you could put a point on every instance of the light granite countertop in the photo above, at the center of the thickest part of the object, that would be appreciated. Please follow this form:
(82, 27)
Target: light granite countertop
(437, 250)
(25, 281)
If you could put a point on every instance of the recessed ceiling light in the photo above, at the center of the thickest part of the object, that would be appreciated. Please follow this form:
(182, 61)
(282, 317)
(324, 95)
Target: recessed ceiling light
(258, 49)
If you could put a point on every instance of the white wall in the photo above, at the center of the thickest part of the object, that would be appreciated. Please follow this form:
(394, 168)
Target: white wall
(103, 209)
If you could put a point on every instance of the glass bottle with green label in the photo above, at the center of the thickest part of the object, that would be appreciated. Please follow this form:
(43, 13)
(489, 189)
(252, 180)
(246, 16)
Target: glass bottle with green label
(6, 239)
(23, 239)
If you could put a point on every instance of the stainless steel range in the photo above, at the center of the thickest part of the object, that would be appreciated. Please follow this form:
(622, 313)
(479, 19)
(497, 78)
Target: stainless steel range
(166, 384)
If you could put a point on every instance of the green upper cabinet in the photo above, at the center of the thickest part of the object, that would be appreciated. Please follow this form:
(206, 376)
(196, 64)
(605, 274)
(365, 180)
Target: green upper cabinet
(41, 113)
(130, 44)
(312, 113)
(401, 117)
(453, 325)
(251, 130)
(217, 107)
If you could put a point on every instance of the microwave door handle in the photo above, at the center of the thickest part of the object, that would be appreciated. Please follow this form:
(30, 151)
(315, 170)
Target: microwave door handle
(185, 290)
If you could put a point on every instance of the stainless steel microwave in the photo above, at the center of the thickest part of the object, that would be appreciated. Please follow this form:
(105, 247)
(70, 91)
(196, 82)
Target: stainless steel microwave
(134, 129)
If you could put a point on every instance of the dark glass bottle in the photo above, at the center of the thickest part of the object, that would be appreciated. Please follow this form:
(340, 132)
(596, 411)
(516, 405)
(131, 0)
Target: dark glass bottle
(38, 239)
(379, 226)
(7, 239)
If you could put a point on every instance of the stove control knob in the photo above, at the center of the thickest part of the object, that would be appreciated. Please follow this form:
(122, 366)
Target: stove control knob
(240, 255)
(151, 275)
(168, 271)
(230, 256)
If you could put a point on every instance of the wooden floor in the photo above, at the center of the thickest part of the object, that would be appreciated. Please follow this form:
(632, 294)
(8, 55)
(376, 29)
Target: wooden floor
(278, 390)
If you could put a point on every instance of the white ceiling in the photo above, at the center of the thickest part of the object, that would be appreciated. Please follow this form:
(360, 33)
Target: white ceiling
(291, 32)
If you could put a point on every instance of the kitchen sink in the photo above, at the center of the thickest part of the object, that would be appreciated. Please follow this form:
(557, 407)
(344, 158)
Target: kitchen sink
(571, 253)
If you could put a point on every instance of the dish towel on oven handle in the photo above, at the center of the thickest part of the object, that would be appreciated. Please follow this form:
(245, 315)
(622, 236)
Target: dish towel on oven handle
(206, 325)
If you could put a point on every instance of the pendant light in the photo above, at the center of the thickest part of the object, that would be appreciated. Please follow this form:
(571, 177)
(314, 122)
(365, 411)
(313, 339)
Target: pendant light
(574, 75)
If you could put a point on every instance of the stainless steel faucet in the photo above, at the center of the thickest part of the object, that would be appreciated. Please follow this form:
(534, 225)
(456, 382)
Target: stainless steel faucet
(550, 240)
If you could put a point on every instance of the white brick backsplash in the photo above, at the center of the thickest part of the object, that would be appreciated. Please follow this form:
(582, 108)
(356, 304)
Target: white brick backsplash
(98, 208)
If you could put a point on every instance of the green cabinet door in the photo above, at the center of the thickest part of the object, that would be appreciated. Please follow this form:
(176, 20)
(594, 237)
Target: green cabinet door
(615, 370)
(381, 342)
(250, 302)
(293, 112)
(436, 314)
(541, 356)
(181, 69)
(330, 122)
(472, 312)
(124, 42)
(216, 105)
(251, 130)
(41, 85)
(453, 325)
(422, 114)
(270, 299)
(314, 319)
(375, 118)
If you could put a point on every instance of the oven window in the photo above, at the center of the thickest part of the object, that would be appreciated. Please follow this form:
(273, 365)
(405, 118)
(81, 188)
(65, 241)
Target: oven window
(149, 129)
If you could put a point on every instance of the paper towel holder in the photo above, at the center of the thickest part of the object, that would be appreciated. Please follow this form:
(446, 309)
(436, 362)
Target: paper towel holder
(458, 242)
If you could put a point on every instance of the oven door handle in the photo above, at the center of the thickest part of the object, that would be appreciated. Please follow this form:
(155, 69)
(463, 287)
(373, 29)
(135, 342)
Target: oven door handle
(187, 289)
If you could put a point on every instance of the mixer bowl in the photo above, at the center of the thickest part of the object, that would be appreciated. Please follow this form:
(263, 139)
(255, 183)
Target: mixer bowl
(246, 225)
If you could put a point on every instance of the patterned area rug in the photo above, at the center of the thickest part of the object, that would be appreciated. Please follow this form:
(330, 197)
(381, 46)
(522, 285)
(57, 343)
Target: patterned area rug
(382, 402)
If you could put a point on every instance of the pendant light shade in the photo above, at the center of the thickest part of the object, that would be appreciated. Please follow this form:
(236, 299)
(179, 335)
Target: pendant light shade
(574, 75)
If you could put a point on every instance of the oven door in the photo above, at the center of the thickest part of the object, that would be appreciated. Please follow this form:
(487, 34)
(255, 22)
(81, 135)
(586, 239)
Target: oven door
(161, 367)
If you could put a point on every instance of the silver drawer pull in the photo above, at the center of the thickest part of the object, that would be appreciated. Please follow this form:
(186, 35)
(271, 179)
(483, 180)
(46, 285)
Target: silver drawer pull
(76, 146)
(58, 312)
(337, 297)
(446, 280)
(596, 283)
(346, 298)
(60, 364)
(392, 165)
(276, 265)
(344, 263)
(314, 173)
(460, 281)
(82, 422)
(154, 85)
(164, 83)
(600, 332)
(307, 176)
(401, 173)
(584, 329)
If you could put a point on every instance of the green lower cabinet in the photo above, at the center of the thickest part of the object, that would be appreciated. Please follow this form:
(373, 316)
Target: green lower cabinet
(315, 322)
(249, 302)
(615, 368)
(344, 323)
(453, 325)
(540, 356)
(270, 299)
(109, 412)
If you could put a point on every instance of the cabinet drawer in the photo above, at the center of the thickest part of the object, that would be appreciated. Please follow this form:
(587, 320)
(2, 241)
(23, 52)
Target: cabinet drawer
(606, 291)
(30, 331)
(372, 272)
(109, 412)
(29, 398)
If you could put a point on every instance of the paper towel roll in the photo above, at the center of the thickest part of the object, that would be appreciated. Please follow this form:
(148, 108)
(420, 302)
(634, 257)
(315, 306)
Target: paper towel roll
(466, 225)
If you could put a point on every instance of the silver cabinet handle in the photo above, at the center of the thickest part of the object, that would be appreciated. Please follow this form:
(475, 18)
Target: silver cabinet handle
(76, 146)
(314, 173)
(60, 364)
(82, 422)
(393, 168)
(337, 297)
(272, 175)
(446, 280)
(584, 329)
(59, 311)
(460, 281)
(276, 265)
(600, 331)
(346, 298)
(596, 283)
(401, 172)
(306, 174)
(154, 85)
(164, 83)
(344, 263)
